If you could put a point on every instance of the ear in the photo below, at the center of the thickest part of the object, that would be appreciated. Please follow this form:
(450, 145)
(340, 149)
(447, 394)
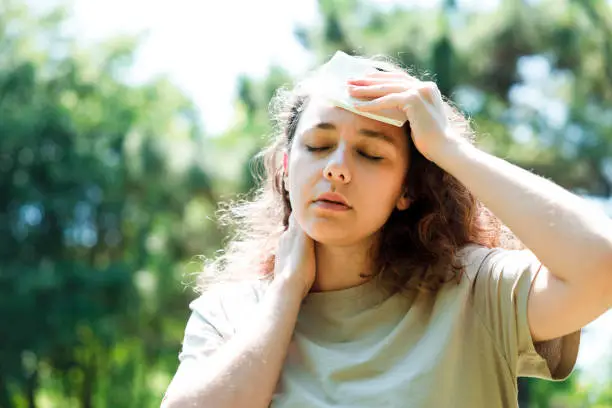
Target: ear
(403, 203)
(285, 161)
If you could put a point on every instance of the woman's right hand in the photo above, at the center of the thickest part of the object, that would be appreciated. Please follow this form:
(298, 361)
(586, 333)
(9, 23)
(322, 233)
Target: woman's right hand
(295, 258)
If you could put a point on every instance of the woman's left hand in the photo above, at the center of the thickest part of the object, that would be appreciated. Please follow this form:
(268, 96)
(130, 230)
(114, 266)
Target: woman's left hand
(420, 101)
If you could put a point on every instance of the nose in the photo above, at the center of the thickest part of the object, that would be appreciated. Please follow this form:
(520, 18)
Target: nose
(337, 169)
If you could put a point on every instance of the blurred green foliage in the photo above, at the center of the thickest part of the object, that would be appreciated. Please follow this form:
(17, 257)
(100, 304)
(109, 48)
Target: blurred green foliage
(107, 188)
(103, 189)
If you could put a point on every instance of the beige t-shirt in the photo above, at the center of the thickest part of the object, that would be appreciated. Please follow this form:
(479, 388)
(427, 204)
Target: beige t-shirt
(360, 347)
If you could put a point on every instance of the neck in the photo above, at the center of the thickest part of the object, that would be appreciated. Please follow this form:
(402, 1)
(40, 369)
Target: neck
(341, 267)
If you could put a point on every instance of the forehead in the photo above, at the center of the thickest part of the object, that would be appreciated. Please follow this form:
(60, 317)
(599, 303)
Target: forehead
(319, 110)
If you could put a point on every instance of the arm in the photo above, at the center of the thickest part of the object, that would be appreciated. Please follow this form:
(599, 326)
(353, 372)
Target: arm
(572, 239)
(245, 371)
(569, 237)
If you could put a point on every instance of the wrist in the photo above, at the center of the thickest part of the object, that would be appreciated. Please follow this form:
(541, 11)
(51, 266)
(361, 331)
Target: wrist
(452, 152)
(292, 289)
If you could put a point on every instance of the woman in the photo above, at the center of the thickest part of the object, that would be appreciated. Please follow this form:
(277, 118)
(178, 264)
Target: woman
(368, 271)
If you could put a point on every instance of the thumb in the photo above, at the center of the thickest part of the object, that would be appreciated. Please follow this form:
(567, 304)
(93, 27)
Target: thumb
(291, 222)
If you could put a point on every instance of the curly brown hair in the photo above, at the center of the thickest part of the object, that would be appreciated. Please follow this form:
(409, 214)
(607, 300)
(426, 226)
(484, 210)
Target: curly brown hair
(443, 216)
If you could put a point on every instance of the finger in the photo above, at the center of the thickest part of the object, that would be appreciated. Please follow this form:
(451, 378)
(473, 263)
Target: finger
(307, 241)
(291, 222)
(366, 80)
(392, 74)
(376, 91)
(430, 92)
(302, 238)
(390, 101)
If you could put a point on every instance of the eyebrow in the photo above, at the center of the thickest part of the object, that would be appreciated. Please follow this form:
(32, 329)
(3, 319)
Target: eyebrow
(363, 131)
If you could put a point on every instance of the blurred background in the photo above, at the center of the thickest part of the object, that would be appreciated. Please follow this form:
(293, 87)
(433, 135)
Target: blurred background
(123, 123)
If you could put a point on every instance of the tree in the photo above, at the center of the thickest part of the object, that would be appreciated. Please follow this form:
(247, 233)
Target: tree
(100, 183)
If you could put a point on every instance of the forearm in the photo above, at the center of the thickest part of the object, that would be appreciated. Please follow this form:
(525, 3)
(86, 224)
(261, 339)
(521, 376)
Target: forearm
(565, 233)
(245, 371)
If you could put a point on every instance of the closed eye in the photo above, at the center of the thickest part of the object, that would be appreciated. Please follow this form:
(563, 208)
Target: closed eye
(316, 149)
(367, 156)
(362, 153)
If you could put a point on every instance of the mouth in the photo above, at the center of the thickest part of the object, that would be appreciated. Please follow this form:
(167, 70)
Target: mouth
(330, 198)
(331, 201)
(331, 205)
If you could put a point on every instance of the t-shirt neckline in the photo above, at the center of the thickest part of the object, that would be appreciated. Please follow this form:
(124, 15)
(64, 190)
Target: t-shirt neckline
(350, 300)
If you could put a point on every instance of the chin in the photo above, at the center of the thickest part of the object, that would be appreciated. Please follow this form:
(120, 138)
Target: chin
(330, 234)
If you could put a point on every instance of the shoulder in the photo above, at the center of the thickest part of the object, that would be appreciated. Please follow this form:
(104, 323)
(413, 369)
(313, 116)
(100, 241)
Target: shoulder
(478, 260)
(224, 304)
(230, 294)
(472, 256)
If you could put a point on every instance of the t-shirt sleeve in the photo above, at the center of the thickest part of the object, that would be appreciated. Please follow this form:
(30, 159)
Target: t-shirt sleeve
(501, 283)
(215, 316)
(202, 337)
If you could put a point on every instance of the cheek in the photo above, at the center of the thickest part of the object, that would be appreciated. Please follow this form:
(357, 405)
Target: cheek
(302, 174)
(381, 195)
(380, 191)
(384, 180)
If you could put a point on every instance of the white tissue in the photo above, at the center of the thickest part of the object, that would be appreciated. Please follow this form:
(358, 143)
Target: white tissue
(332, 78)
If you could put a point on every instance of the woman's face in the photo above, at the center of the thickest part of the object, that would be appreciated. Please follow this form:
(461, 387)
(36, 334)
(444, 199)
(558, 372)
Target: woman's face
(362, 159)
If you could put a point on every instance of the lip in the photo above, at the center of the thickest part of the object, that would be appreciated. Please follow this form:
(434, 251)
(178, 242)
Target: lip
(333, 198)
